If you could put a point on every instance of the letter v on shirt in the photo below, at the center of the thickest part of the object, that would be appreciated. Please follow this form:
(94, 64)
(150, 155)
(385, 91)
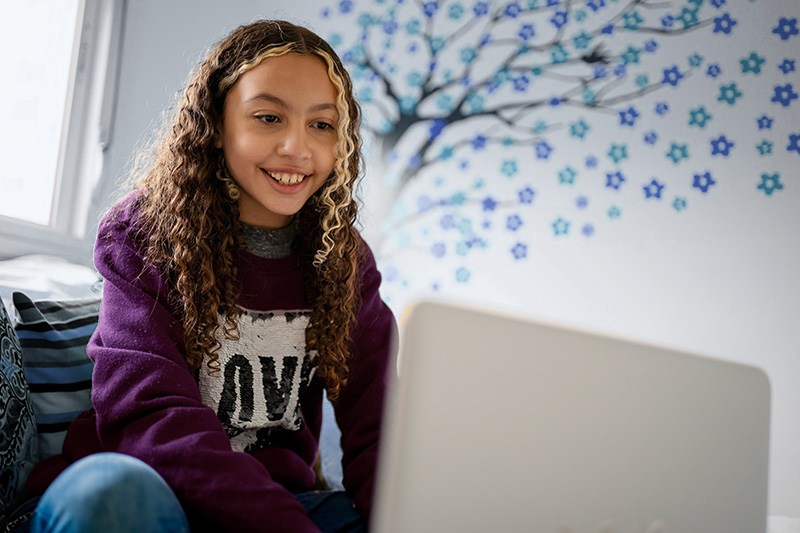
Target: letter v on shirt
(264, 373)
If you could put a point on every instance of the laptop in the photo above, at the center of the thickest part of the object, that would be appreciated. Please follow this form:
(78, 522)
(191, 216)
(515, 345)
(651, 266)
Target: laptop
(502, 423)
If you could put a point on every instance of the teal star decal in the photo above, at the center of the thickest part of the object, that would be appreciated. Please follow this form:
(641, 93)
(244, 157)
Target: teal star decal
(630, 56)
(695, 60)
(770, 183)
(699, 117)
(764, 148)
(752, 63)
(677, 152)
(679, 204)
(560, 226)
(579, 129)
(614, 212)
(729, 93)
(567, 176)
(632, 20)
(462, 275)
(618, 152)
(688, 17)
(581, 41)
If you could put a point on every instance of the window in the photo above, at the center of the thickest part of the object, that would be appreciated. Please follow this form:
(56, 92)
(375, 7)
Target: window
(55, 112)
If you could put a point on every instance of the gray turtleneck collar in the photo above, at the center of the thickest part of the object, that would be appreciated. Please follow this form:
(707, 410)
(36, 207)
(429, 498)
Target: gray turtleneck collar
(270, 243)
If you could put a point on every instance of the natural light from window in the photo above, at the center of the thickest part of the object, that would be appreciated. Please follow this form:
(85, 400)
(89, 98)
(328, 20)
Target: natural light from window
(37, 37)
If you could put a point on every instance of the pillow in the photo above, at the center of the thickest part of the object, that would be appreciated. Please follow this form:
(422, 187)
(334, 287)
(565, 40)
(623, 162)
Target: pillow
(53, 336)
(17, 427)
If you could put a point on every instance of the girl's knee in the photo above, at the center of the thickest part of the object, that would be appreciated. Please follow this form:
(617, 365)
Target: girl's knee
(108, 490)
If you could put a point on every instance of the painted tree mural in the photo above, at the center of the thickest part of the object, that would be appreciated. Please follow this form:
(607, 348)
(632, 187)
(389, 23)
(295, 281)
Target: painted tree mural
(483, 109)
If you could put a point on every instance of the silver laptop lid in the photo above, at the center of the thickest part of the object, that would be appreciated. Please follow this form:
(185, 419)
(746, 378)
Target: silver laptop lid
(502, 423)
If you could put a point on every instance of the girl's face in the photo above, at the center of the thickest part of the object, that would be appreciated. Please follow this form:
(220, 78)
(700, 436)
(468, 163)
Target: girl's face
(278, 135)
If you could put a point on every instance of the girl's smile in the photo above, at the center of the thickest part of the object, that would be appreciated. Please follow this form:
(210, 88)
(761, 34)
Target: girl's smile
(278, 135)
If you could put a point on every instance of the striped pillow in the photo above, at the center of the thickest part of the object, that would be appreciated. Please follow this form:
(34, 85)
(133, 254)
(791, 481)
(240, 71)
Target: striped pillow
(53, 336)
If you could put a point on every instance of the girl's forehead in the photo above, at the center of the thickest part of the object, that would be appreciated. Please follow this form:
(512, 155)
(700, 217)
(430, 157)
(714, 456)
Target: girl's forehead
(294, 74)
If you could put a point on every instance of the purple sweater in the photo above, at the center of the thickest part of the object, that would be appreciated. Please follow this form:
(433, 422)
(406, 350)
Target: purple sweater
(235, 446)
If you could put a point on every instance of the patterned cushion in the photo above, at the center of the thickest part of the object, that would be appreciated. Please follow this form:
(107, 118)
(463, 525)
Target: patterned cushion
(53, 336)
(17, 428)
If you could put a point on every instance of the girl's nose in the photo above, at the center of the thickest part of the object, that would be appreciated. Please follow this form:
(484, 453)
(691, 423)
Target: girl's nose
(295, 143)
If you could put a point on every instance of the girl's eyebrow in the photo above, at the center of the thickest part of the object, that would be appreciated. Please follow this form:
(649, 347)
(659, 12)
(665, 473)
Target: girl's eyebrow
(282, 103)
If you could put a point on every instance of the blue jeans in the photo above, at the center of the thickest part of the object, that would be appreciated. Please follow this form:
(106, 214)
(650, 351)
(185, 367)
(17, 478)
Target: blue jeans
(115, 492)
(109, 492)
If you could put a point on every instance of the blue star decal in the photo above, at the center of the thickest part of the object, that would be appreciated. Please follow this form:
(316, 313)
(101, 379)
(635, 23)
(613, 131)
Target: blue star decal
(519, 251)
(786, 28)
(650, 137)
(713, 70)
(703, 181)
(662, 108)
(784, 95)
(526, 195)
(672, 76)
(721, 146)
(489, 204)
(787, 66)
(513, 222)
(724, 24)
(764, 122)
(794, 143)
(627, 117)
(587, 230)
(596, 5)
(543, 150)
(614, 180)
(653, 189)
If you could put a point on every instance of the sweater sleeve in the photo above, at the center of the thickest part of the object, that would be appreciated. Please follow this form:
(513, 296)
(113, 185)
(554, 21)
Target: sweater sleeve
(359, 407)
(148, 404)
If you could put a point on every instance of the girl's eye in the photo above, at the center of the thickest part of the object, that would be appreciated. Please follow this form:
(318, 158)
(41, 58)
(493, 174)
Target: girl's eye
(270, 119)
(323, 126)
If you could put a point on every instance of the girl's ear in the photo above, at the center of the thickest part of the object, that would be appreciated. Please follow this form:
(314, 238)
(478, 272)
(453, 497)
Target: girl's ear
(218, 138)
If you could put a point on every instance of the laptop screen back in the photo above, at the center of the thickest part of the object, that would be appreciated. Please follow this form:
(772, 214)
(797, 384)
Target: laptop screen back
(502, 423)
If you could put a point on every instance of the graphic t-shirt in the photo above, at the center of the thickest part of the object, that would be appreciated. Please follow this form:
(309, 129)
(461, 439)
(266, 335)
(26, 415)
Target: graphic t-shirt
(263, 374)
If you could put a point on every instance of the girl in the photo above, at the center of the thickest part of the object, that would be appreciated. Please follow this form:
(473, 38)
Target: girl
(236, 288)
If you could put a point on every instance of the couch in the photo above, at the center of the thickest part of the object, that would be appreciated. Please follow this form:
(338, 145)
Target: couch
(48, 312)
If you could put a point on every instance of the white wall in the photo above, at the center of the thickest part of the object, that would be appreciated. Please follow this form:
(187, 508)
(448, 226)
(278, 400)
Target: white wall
(720, 278)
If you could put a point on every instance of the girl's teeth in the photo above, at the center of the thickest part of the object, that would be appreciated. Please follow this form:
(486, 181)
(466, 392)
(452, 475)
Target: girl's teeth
(287, 179)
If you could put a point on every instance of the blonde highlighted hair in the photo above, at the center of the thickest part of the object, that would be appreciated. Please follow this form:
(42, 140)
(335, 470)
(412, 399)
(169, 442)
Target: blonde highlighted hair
(190, 211)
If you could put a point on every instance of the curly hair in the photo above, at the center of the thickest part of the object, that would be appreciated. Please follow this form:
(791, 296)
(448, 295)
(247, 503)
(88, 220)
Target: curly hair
(190, 213)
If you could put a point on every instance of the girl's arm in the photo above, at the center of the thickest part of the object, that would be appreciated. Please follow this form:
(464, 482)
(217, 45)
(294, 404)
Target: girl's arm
(359, 407)
(148, 404)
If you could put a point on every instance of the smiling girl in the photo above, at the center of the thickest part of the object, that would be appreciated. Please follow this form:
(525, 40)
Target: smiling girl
(236, 289)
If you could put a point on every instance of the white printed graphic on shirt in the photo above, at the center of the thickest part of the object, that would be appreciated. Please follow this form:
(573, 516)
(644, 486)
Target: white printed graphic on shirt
(262, 377)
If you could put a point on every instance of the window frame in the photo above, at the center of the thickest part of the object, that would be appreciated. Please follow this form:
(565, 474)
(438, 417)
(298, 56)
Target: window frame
(85, 136)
